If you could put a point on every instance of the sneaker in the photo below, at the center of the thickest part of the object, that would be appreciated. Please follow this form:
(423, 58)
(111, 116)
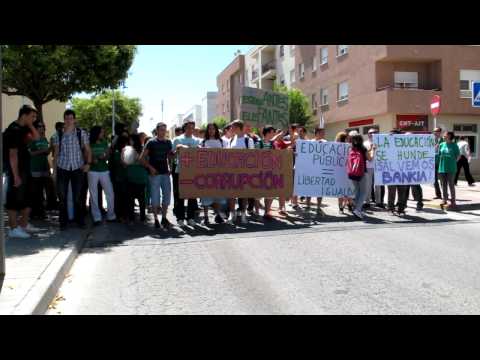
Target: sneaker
(30, 228)
(191, 223)
(419, 207)
(340, 210)
(243, 219)
(219, 219)
(18, 233)
(181, 223)
(166, 224)
(157, 224)
(232, 219)
(358, 214)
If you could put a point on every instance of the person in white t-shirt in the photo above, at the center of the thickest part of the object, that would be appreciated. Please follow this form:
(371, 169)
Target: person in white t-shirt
(213, 140)
(239, 141)
(227, 133)
(463, 162)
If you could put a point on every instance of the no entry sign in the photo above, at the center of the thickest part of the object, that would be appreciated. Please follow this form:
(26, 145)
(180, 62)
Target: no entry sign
(435, 105)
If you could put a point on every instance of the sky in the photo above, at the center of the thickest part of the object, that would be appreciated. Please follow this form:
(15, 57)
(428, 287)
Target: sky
(181, 75)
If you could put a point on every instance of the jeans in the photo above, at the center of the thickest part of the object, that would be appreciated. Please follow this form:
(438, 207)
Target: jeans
(417, 193)
(438, 193)
(121, 200)
(402, 191)
(180, 208)
(94, 178)
(76, 178)
(38, 188)
(448, 181)
(175, 192)
(463, 163)
(136, 191)
(361, 192)
(160, 190)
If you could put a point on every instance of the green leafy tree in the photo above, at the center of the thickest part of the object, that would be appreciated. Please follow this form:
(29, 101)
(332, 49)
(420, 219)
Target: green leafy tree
(97, 110)
(299, 107)
(56, 72)
(220, 121)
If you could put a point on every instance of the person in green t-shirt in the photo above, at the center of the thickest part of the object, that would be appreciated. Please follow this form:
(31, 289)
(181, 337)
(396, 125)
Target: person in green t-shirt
(99, 173)
(437, 132)
(39, 170)
(448, 155)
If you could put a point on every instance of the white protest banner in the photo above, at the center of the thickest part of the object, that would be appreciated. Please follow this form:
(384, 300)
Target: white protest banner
(321, 171)
(404, 159)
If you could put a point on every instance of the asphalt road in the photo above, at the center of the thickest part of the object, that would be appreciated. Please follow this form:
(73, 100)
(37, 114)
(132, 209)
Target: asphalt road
(424, 263)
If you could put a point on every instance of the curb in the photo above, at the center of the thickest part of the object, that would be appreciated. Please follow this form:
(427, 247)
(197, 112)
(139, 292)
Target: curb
(46, 288)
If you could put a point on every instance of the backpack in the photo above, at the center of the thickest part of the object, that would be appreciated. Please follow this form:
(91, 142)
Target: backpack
(356, 165)
(79, 137)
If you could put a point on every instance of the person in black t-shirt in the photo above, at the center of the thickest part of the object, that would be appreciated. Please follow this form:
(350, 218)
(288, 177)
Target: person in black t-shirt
(17, 159)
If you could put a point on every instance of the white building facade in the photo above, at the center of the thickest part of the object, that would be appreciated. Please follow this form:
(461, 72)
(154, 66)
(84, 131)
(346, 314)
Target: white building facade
(209, 107)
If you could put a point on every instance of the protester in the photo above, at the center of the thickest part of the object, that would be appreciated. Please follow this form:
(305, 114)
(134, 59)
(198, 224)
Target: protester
(137, 178)
(437, 132)
(319, 137)
(253, 205)
(342, 201)
(184, 141)
(118, 173)
(417, 191)
(377, 192)
(463, 162)
(40, 172)
(213, 140)
(159, 150)
(197, 132)
(357, 170)
(227, 133)
(73, 154)
(448, 154)
(239, 141)
(16, 138)
(399, 191)
(99, 174)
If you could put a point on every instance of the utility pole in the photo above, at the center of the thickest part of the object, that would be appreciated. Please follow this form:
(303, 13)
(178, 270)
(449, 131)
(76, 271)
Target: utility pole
(2, 227)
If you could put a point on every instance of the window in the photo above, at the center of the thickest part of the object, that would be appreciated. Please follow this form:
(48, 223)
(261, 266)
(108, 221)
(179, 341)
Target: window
(342, 50)
(466, 78)
(323, 97)
(282, 50)
(314, 101)
(314, 64)
(324, 56)
(470, 131)
(343, 91)
(406, 80)
(301, 70)
(465, 127)
(292, 76)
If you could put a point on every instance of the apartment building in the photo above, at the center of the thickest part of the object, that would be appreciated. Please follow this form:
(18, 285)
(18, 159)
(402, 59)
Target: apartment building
(193, 114)
(391, 86)
(229, 83)
(52, 111)
(269, 64)
(209, 107)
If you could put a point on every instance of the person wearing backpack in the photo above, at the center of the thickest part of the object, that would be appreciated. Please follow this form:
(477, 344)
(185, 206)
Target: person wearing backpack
(73, 157)
(357, 170)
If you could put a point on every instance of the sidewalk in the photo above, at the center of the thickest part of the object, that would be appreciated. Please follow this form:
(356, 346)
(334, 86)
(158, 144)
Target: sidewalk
(36, 267)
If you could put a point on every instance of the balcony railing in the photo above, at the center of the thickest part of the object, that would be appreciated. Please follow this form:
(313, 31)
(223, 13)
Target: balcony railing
(396, 87)
(268, 66)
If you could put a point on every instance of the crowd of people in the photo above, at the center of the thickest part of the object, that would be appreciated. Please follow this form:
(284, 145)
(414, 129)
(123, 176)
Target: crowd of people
(136, 168)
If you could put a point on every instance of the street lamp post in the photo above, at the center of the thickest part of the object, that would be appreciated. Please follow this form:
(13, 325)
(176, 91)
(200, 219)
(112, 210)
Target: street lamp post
(2, 228)
(113, 113)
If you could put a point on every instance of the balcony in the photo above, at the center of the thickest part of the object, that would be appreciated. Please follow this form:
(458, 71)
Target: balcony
(254, 75)
(405, 87)
(408, 100)
(269, 70)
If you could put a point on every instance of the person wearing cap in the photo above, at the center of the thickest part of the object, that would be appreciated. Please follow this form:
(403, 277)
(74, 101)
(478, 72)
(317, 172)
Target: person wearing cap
(417, 191)
(437, 132)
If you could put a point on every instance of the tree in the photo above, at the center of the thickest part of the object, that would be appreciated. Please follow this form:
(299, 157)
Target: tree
(298, 106)
(55, 72)
(98, 110)
(220, 121)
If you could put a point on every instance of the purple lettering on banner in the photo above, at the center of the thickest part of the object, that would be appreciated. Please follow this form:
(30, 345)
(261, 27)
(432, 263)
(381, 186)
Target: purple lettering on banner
(252, 160)
(259, 183)
(199, 181)
(278, 181)
(202, 158)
